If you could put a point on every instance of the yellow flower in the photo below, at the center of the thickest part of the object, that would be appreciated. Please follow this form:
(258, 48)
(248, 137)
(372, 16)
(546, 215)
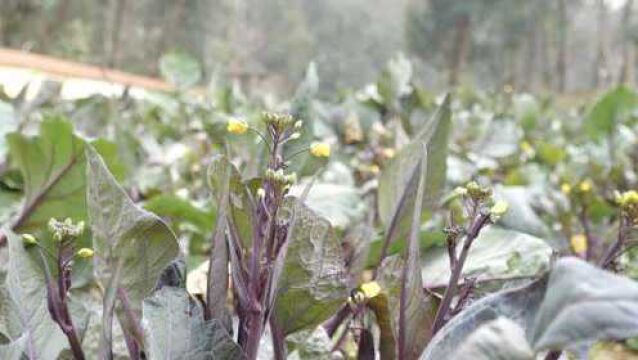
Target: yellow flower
(460, 191)
(237, 126)
(526, 147)
(320, 149)
(85, 253)
(498, 209)
(566, 188)
(579, 243)
(627, 198)
(628, 202)
(389, 153)
(370, 289)
(585, 186)
(29, 240)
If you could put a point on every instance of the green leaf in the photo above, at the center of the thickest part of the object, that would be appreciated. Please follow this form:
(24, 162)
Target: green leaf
(181, 210)
(313, 282)
(398, 181)
(217, 282)
(239, 202)
(420, 310)
(416, 313)
(132, 246)
(28, 302)
(53, 167)
(14, 350)
(496, 252)
(175, 328)
(584, 304)
(610, 110)
(499, 339)
(339, 204)
(180, 69)
(519, 305)
(520, 215)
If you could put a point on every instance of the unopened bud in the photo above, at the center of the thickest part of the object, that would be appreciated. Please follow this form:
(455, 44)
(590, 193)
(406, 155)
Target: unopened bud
(29, 240)
(85, 253)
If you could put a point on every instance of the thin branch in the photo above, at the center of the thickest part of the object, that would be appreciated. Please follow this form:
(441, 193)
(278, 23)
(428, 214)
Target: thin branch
(450, 292)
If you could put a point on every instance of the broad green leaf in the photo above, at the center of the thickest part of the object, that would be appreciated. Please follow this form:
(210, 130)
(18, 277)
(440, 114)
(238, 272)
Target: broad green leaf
(28, 295)
(609, 111)
(584, 304)
(398, 181)
(14, 350)
(240, 210)
(496, 252)
(313, 282)
(175, 328)
(132, 246)
(499, 339)
(519, 305)
(181, 210)
(53, 167)
(339, 204)
(520, 215)
(217, 283)
(420, 313)
(186, 217)
(180, 69)
(416, 314)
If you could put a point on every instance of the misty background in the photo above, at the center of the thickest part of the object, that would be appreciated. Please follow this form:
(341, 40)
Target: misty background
(526, 45)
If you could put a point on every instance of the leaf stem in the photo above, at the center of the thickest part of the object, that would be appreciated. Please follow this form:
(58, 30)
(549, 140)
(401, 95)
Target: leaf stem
(614, 248)
(450, 292)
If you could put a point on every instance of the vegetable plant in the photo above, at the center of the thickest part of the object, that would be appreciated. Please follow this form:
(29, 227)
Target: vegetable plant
(389, 223)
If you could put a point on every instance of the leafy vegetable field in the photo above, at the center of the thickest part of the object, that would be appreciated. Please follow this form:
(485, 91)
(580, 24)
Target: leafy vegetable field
(385, 223)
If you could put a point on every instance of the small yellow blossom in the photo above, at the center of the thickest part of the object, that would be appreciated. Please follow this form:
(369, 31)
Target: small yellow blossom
(29, 240)
(565, 188)
(526, 147)
(237, 126)
(389, 153)
(498, 209)
(585, 186)
(85, 253)
(370, 289)
(579, 243)
(627, 198)
(628, 202)
(374, 169)
(261, 193)
(320, 149)
(460, 191)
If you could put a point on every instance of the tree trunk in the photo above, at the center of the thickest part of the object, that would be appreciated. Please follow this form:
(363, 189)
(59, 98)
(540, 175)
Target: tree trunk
(546, 67)
(626, 67)
(561, 60)
(116, 30)
(460, 48)
(600, 65)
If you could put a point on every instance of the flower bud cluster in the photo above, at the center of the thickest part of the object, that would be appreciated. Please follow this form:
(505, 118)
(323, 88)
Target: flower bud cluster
(278, 176)
(62, 230)
(281, 122)
(628, 202)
